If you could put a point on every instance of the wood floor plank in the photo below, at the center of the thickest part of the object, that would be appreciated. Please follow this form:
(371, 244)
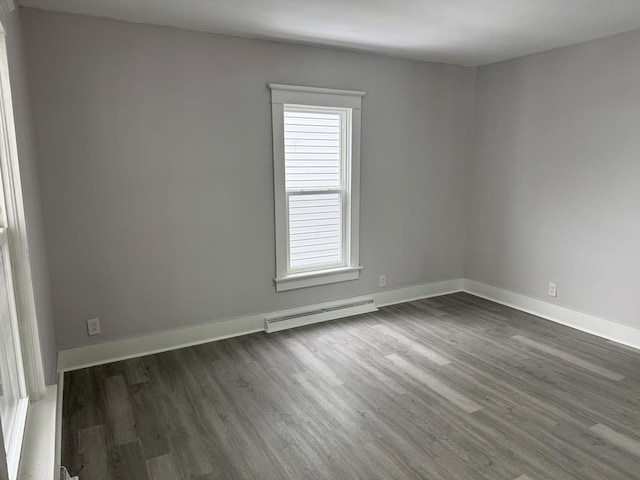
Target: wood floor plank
(69, 443)
(312, 362)
(128, 462)
(446, 388)
(135, 371)
(149, 427)
(618, 439)
(435, 384)
(605, 372)
(163, 467)
(120, 416)
(413, 346)
(93, 453)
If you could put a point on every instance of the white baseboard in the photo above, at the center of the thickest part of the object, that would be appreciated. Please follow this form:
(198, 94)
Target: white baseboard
(90, 355)
(408, 294)
(600, 327)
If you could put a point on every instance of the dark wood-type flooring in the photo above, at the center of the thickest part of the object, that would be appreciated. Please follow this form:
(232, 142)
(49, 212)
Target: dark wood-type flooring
(452, 388)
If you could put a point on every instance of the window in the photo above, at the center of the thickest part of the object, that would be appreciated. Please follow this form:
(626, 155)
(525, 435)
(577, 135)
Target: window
(316, 158)
(21, 376)
(13, 394)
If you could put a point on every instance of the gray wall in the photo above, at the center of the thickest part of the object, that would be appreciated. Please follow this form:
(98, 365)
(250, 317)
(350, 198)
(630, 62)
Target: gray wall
(156, 170)
(555, 181)
(31, 191)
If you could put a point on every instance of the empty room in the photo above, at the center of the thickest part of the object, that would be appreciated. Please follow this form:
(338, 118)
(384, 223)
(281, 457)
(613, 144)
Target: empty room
(318, 240)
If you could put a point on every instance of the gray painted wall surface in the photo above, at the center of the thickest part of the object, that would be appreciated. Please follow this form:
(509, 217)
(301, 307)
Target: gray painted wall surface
(31, 192)
(156, 171)
(555, 181)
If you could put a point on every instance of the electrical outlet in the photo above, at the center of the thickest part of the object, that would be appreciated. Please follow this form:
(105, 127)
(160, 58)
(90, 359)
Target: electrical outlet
(383, 280)
(553, 290)
(93, 326)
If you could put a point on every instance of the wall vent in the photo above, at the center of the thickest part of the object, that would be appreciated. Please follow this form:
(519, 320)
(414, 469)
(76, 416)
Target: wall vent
(318, 313)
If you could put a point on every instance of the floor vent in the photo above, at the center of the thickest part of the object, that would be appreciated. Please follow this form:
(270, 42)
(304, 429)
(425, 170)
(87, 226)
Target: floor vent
(318, 313)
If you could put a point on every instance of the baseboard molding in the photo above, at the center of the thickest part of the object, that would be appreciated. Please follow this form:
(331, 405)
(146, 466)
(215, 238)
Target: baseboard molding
(585, 322)
(101, 353)
(91, 355)
(416, 292)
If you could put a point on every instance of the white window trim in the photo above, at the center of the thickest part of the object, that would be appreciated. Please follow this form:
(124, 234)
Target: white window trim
(322, 97)
(14, 431)
(17, 265)
(14, 216)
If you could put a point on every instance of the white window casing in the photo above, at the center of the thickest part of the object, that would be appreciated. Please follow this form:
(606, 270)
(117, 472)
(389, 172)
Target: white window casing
(316, 158)
(14, 217)
(20, 345)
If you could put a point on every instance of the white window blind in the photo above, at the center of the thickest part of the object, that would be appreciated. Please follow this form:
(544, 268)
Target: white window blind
(313, 148)
(316, 171)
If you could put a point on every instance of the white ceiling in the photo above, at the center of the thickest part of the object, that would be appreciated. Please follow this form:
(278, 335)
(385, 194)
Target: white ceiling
(466, 32)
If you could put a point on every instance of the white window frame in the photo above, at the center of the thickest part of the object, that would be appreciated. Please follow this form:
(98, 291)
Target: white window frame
(17, 266)
(15, 431)
(350, 102)
(14, 219)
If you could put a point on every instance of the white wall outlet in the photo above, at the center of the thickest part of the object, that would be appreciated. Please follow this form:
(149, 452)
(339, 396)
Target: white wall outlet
(93, 326)
(383, 280)
(553, 290)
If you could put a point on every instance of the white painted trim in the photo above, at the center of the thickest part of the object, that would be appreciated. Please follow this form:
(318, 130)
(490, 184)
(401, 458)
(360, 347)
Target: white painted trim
(14, 430)
(328, 97)
(585, 322)
(317, 277)
(90, 355)
(350, 103)
(57, 457)
(81, 357)
(16, 435)
(332, 91)
(417, 292)
(38, 451)
(17, 236)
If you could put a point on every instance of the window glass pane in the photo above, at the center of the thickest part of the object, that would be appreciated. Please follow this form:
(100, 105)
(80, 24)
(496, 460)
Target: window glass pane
(315, 230)
(312, 149)
(9, 377)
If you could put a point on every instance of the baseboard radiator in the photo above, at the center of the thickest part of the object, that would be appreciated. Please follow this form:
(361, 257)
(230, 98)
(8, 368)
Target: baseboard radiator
(319, 313)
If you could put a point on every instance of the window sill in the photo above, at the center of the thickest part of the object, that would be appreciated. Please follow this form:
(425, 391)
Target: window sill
(16, 436)
(322, 277)
(38, 450)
